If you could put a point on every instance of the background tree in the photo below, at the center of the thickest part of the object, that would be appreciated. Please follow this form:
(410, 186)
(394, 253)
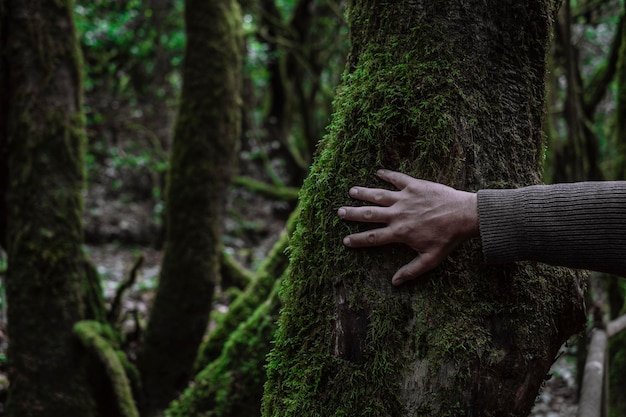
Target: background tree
(202, 161)
(4, 103)
(468, 338)
(45, 140)
(581, 90)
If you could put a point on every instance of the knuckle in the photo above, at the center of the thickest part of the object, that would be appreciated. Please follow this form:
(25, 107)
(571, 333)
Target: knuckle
(371, 238)
(368, 214)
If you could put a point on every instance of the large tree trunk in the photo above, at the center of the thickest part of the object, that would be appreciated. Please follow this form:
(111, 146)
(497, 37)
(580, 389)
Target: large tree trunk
(205, 138)
(447, 91)
(45, 140)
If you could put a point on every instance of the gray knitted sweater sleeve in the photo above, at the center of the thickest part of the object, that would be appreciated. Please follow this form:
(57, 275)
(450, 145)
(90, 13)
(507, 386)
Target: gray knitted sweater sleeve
(578, 225)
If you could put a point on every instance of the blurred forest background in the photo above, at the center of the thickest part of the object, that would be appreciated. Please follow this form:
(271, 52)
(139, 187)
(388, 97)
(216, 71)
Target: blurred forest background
(294, 57)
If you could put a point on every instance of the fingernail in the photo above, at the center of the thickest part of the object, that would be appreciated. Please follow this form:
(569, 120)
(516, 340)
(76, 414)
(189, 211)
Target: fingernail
(381, 172)
(346, 241)
(354, 192)
(341, 212)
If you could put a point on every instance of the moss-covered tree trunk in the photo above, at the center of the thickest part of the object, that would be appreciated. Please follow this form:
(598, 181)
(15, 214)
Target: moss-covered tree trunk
(205, 142)
(447, 91)
(45, 142)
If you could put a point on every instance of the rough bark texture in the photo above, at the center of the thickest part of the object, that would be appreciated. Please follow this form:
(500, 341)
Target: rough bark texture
(205, 138)
(447, 91)
(45, 142)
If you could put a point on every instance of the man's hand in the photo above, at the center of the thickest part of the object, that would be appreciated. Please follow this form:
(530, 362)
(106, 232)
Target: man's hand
(431, 218)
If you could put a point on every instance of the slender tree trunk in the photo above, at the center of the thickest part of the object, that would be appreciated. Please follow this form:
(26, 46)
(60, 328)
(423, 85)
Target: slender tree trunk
(4, 106)
(620, 130)
(204, 148)
(447, 91)
(576, 159)
(45, 141)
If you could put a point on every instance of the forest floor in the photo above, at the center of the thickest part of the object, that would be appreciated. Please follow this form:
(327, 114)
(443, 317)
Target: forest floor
(556, 399)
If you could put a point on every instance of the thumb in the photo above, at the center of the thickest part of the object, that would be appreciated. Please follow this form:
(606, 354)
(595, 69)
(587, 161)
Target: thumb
(421, 264)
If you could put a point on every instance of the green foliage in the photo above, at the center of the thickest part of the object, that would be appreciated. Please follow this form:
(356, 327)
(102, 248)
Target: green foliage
(118, 42)
(131, 78)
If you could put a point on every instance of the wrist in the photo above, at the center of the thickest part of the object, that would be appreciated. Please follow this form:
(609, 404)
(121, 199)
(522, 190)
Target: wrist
(469, 216)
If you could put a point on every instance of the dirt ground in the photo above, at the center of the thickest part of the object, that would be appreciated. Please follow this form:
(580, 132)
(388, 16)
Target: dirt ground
(556, 399)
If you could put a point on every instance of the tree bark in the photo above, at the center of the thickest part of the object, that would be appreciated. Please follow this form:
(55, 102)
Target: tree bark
(45, 138)
(620, 128)
(4, 106)
(451, 92)
(202, 162)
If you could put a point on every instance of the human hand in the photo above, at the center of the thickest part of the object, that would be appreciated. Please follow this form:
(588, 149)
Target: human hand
(431, 218)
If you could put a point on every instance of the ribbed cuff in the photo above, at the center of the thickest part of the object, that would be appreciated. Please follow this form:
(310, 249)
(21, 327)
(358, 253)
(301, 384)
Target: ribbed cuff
(502, 225)
(580, 225)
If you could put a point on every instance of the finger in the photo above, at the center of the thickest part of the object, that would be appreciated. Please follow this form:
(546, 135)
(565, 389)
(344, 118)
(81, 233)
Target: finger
(421, 264)
(374, 195)
(398, 179)
(374, 237)
(369, 214)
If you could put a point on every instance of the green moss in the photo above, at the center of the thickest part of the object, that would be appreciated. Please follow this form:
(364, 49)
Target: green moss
(99, 340)
(255, 294)
(278, 192)
(233, 274)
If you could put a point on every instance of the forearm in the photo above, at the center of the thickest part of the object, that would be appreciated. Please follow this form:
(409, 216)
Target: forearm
(579, 225)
